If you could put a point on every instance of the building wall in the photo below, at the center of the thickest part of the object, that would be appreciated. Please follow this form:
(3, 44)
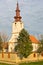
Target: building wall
(35, 46)
(11, 47)
(12, 57)
(16, 28)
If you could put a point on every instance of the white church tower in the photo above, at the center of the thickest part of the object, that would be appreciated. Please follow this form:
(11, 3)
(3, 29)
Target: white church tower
(17, 26)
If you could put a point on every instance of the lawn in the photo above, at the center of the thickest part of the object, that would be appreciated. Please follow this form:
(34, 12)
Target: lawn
(4, 64)
(32, 63)
(29, 63)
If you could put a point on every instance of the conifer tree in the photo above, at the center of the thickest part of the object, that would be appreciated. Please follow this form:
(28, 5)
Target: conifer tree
(24, 44)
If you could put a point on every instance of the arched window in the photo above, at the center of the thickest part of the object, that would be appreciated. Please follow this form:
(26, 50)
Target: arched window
(34, 55)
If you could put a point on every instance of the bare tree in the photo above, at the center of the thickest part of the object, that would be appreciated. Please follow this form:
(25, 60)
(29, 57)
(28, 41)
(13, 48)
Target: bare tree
(41, 36)
(4, 37)
(5, 40)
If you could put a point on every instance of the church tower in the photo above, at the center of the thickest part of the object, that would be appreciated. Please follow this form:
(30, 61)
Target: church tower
(17, 26)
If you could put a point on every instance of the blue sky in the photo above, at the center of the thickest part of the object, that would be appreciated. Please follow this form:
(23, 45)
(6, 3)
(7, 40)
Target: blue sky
(31, 12)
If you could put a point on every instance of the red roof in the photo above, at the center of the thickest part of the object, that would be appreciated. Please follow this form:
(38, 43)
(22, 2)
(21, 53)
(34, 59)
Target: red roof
(33, 39)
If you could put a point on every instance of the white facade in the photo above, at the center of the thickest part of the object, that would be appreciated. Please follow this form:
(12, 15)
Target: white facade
(35, 46)
(16, 28)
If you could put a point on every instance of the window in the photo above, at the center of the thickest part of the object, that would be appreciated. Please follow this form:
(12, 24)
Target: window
(41, 54)
(15, 23)
(34, 55)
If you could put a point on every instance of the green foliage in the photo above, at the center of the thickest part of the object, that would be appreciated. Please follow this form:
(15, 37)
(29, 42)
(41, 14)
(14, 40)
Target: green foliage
(40, 49)
(0, 43)
(32, 63)
(24, 46)
(41, 42)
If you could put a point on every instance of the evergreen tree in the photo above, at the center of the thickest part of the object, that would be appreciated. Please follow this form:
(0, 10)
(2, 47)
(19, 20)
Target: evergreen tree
(24, 44)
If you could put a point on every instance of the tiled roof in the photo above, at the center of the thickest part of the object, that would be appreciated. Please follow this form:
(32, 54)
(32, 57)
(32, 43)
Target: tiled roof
(33, 39)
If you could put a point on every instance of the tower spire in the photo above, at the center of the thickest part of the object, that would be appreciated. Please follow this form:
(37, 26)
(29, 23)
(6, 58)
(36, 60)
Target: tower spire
(17, 17)
(17, 6)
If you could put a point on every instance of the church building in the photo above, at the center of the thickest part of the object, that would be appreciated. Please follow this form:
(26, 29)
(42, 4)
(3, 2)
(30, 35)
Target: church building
(17, 26)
